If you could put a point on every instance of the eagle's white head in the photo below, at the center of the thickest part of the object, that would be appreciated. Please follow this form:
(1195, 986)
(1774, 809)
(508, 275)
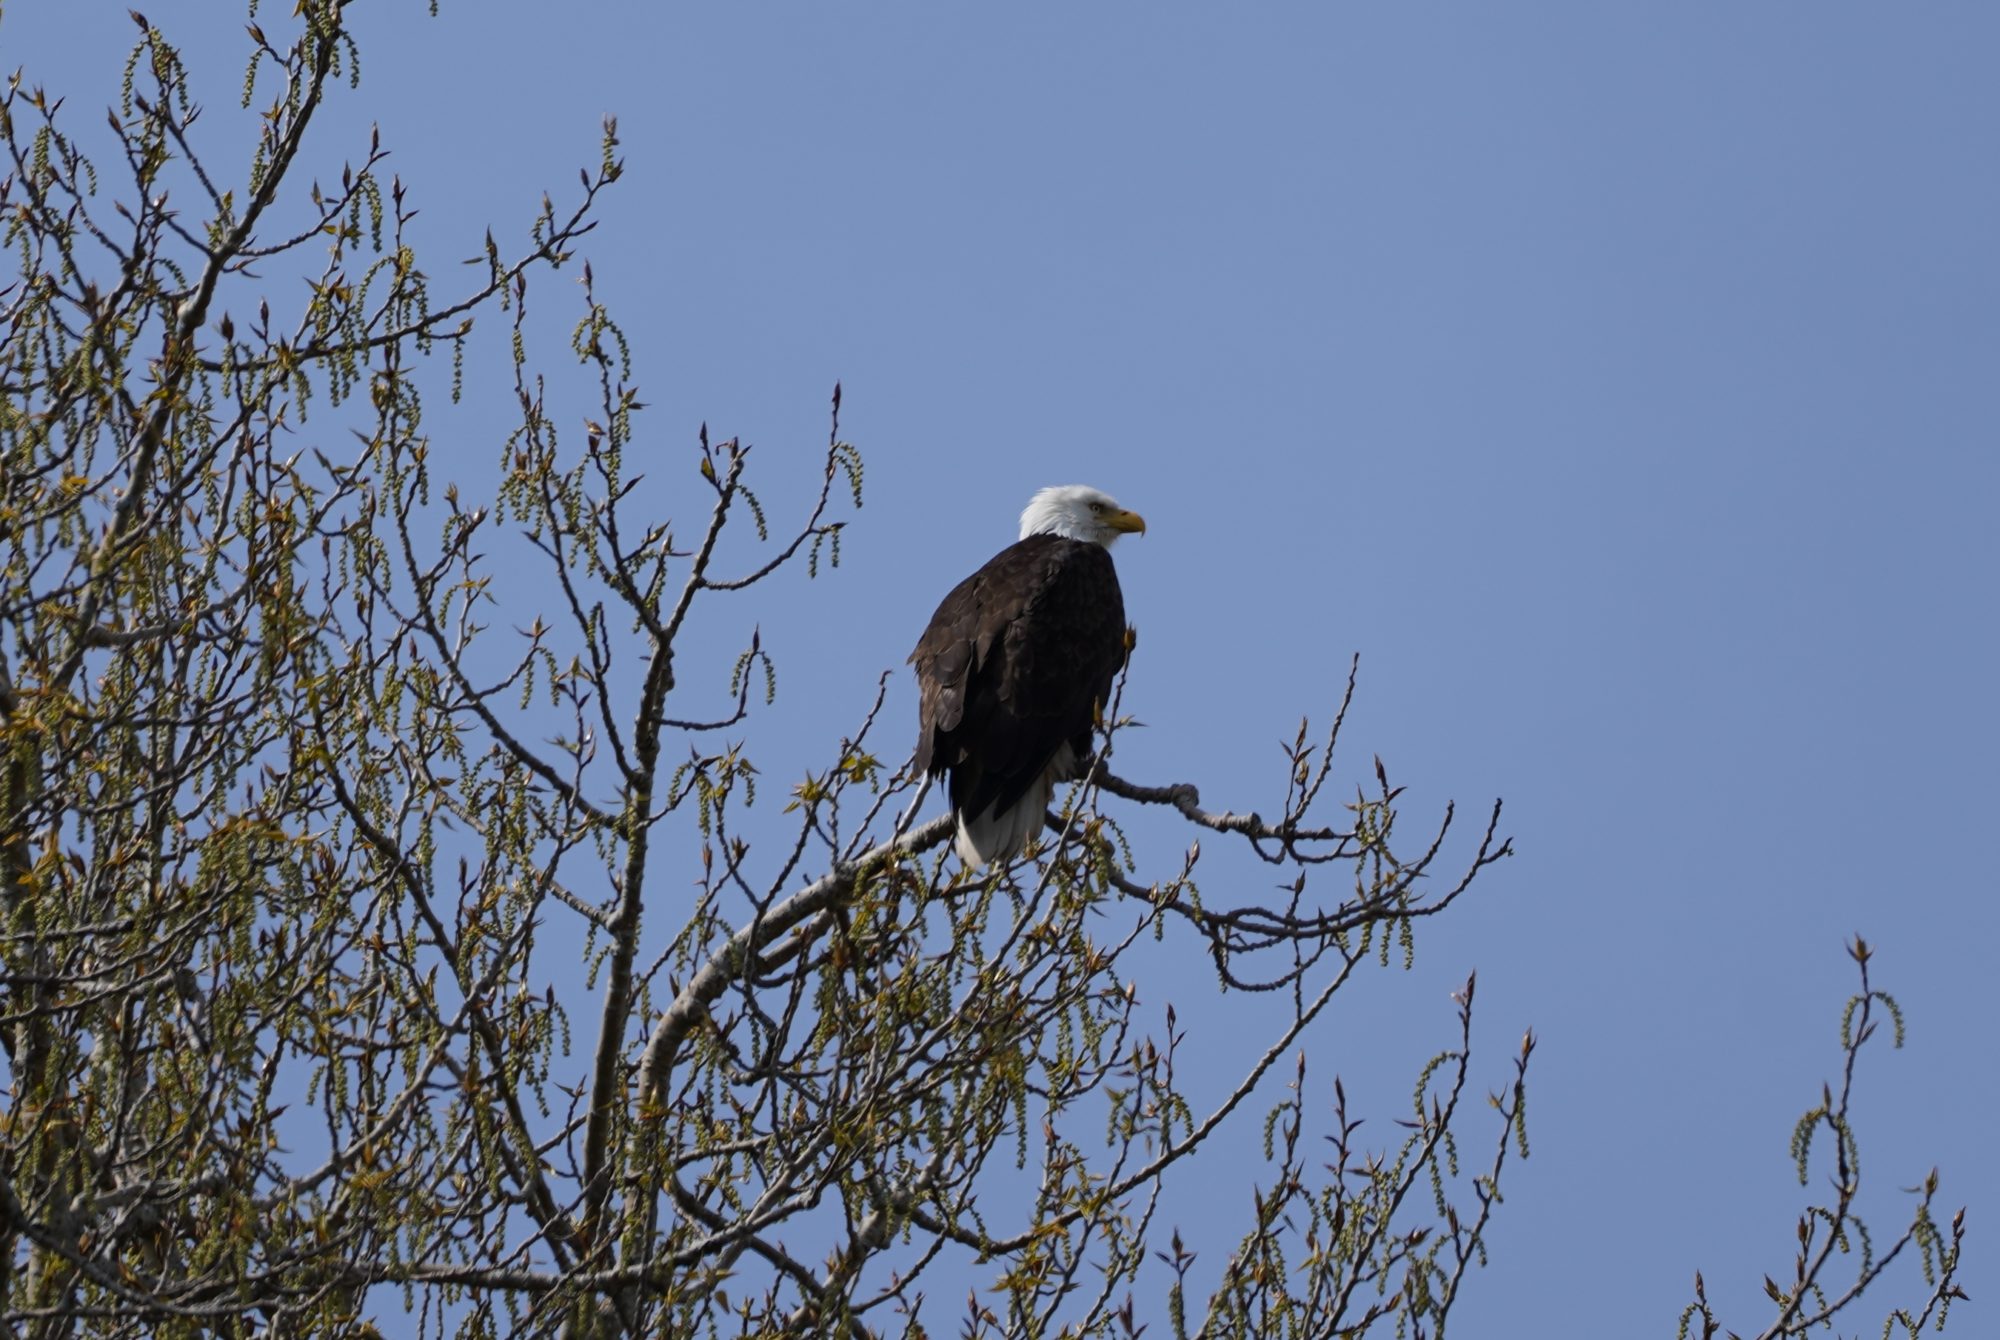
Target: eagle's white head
(1079, 512)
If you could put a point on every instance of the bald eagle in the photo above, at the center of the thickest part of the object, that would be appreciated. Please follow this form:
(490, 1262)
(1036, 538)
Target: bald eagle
(1016, 665)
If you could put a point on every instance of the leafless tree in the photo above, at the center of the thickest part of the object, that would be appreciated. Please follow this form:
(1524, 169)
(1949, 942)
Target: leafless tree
(390, 945)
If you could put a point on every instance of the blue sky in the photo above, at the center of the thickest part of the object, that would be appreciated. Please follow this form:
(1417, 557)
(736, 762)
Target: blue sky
(1619, 381)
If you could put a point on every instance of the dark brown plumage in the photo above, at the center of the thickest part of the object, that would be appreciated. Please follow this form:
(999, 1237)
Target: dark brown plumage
(1012, 671)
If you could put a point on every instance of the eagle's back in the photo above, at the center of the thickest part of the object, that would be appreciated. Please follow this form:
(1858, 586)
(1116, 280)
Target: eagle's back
(1014, 665)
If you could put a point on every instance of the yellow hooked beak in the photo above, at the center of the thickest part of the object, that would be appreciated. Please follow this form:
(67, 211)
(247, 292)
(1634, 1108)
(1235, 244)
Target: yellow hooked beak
(1125, 522)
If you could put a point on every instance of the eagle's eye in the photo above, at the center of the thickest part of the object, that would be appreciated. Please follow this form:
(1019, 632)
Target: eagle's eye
(1097, 508)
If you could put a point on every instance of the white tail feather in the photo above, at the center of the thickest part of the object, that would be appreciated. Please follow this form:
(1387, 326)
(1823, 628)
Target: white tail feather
(998, 836)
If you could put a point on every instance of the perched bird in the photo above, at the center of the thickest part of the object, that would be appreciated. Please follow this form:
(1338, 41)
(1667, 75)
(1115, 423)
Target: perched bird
(1016, 666)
